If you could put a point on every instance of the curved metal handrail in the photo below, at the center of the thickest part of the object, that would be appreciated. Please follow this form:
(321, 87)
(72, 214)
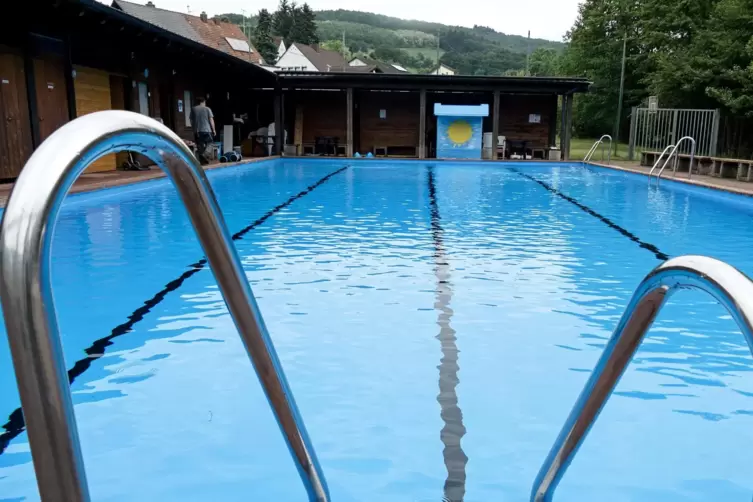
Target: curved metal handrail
(674, 153)
(659, 160)
(730, 287)
(590, 153)
(27, 300)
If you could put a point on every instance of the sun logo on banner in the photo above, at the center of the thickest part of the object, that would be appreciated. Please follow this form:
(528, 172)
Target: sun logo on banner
(459, 132)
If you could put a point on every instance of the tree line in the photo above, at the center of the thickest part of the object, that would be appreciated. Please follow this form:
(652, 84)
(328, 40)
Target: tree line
(690, 54)
(291, 22)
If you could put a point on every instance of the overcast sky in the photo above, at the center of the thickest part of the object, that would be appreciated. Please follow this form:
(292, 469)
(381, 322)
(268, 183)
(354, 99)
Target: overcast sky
(548, 19)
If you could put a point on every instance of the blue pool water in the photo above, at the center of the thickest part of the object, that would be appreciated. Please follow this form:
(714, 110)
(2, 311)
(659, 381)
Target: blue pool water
(436, 323)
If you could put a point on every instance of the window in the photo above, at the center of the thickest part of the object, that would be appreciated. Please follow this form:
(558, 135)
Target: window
(238, 45)
(187, 105)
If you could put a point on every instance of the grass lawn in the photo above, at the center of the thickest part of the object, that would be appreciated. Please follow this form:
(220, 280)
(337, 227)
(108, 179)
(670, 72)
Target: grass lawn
(579, 147)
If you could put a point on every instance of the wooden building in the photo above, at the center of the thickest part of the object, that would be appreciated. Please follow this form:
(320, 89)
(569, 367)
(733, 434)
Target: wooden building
(391, 114)
(60, 59)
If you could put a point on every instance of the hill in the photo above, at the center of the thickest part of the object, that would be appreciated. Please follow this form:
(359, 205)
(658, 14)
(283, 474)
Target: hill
(413, 44)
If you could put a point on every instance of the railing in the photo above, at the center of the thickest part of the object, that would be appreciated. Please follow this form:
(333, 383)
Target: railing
(27, 300)
(674, 153)
(591, 152)
(729, 286)
(656, 164)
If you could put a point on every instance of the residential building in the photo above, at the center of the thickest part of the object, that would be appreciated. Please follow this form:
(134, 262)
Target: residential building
(216, 33)
(65, 58)
(364, 64)
(280, 44)
(302, 57)
(443, 69)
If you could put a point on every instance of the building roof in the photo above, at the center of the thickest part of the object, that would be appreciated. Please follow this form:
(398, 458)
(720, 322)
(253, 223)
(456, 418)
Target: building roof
(210, 32)
(411, 81)
(378, 65)
(322, 59)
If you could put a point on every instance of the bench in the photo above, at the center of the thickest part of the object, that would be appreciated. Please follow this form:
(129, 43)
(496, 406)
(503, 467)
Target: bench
(718, 167)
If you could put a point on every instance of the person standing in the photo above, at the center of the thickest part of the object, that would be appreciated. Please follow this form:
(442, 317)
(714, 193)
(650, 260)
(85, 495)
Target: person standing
(202, 121)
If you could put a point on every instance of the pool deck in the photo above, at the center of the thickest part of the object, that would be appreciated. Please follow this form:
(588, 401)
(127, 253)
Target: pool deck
(109, 179)
(726, 184)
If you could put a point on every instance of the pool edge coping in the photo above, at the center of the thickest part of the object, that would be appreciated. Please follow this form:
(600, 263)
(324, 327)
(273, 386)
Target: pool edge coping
(686, 181)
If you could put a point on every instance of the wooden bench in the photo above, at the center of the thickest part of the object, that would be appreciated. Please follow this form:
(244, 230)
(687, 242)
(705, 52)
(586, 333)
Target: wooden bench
(719, 167)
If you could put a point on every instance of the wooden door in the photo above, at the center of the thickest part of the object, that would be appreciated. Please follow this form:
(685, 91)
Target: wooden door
(52, 95)
(15, 127)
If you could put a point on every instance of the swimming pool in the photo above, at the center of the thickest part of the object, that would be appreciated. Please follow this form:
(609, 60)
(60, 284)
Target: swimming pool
(436, 322)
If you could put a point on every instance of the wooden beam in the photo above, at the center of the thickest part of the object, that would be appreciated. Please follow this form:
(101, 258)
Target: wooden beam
(568, 125)
(553, 123)
(31, 94)
(279, 131)
(349, 122)
(422, 124)
(495, 124)
(563, 105)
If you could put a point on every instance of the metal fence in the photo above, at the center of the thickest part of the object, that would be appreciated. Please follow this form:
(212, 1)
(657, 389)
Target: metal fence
(654, 129)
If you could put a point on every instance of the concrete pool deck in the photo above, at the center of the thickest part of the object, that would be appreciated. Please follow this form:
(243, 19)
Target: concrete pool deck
(109, 179)
(726, 184)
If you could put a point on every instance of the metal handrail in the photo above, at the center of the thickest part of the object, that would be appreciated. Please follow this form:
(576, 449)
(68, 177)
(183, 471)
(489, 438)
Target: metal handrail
(730, 287)
(590, 153)
(27, 301)
(674, 153)
(656, 164)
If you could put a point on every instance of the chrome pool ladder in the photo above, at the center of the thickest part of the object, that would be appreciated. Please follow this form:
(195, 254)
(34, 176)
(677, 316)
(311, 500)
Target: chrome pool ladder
(27, 300)
(674, 153)
(600, 141)
(729, 286)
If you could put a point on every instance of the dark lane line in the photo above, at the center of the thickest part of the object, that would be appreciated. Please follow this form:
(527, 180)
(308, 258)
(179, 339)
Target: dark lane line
(15, 425)
(645, 245)
(453, 431)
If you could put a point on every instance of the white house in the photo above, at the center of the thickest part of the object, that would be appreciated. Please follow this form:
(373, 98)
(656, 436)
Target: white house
(280, 43)
(443, 69)
(302, 57)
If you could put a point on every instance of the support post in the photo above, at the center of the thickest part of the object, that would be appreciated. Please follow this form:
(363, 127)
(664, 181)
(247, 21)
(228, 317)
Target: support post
(568, 125)
(349, 133)
(563, 125)
(715, 135)
(279, 126)
(70, 88)
(552, 125)
(422, 124)
(495, 124)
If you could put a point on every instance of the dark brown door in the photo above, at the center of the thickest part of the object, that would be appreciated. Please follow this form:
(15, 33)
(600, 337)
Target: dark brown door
(15, 127)
(52, 97)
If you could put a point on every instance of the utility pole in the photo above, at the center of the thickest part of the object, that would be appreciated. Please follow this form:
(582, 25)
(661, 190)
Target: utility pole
(528, 55)
(243, 24)
(343, 45)
(622, 91)
(438, 32)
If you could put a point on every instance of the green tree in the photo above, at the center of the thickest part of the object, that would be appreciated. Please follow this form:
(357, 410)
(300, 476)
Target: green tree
(723, 56)
(307, 21)
(262, 37)
(595, 51)
(282, 19)
(544, 62)
(337, 46)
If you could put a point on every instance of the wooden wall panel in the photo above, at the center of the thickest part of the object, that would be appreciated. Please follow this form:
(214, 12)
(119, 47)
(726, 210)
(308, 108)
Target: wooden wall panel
(323, 115)
(398, 129)
(52, 95)
(15, 126)
(93, 95)
(514, 119)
